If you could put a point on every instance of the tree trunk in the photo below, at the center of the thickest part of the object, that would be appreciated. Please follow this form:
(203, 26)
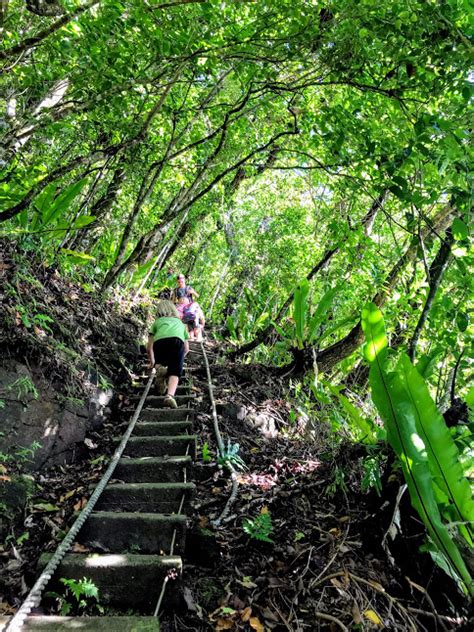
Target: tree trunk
(183, 201)
(30, 42)
(435, 276)
(101, 207)
(332, 355)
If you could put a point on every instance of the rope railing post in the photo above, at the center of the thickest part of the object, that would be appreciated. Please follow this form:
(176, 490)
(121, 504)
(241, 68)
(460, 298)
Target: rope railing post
(34, 596)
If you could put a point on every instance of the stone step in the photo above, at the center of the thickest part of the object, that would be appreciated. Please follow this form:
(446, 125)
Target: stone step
(166, 414)
(118, 532)
(146, 497)
(165, 445)
(154, 469)
(156, 428)
(90, 624)
(183, 389)
(156, 401)
(124, 580)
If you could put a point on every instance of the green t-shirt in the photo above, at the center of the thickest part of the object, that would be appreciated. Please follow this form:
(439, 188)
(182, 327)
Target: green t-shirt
(169, 327)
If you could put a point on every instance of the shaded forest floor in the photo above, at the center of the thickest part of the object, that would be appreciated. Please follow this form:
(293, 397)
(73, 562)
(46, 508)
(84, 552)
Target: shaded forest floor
(325, 566)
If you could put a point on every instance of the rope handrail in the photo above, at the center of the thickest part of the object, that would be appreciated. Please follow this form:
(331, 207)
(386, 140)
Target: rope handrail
(34, 596)
(220, 443)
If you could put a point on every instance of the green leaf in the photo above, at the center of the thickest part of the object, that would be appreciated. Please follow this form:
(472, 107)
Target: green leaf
(350, 320)
(83, 220)
(43, 201)
(401, 194)
(443, 455)
(396, 408)
(367, 431)
(77, 257)
(206, 455)
(462, 321)
(280, 331)
(470, 398)
(375, 348)
(321, 312)
(45, 507)
(300, 310)
(62, 202)
(460, 230)
(231, 327)
(427, 362)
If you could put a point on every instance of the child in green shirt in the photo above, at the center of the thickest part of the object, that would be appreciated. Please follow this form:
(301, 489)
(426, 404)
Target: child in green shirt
(167, 346)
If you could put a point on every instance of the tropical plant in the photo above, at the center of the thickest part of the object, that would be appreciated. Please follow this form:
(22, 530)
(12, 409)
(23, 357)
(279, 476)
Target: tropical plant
(230, 454)
(206, 453)
(24, 386)
(80, 596)
(305, 326)
(260, 527)
(429, 457)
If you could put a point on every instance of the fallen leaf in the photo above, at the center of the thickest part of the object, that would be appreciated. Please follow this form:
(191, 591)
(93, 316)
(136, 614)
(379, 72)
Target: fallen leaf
(80, 504)
(188, 598)
(45, 507)
(356, 613)
(224, 624)
(247, 582)
(203, 521)
(335, 582)
(5, 608)
(79, 548)
(70, 494)
(246, 613)
(373, 617)
(255, 624)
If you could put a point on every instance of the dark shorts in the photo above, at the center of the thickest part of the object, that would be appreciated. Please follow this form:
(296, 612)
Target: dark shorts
(169, 352)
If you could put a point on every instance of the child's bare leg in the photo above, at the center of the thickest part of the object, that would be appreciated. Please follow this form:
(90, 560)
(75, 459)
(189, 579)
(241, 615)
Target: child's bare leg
(172, 384)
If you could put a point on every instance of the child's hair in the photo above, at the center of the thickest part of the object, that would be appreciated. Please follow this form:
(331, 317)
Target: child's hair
(166, 309)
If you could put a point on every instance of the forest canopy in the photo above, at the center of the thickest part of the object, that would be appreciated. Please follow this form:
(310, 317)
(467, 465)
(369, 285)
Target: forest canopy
(251, 144)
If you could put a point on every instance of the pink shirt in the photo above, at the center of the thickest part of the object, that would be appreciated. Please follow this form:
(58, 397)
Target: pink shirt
(181, 307)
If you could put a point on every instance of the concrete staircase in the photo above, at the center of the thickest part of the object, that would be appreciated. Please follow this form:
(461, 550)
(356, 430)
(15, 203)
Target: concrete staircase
(135, 535)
